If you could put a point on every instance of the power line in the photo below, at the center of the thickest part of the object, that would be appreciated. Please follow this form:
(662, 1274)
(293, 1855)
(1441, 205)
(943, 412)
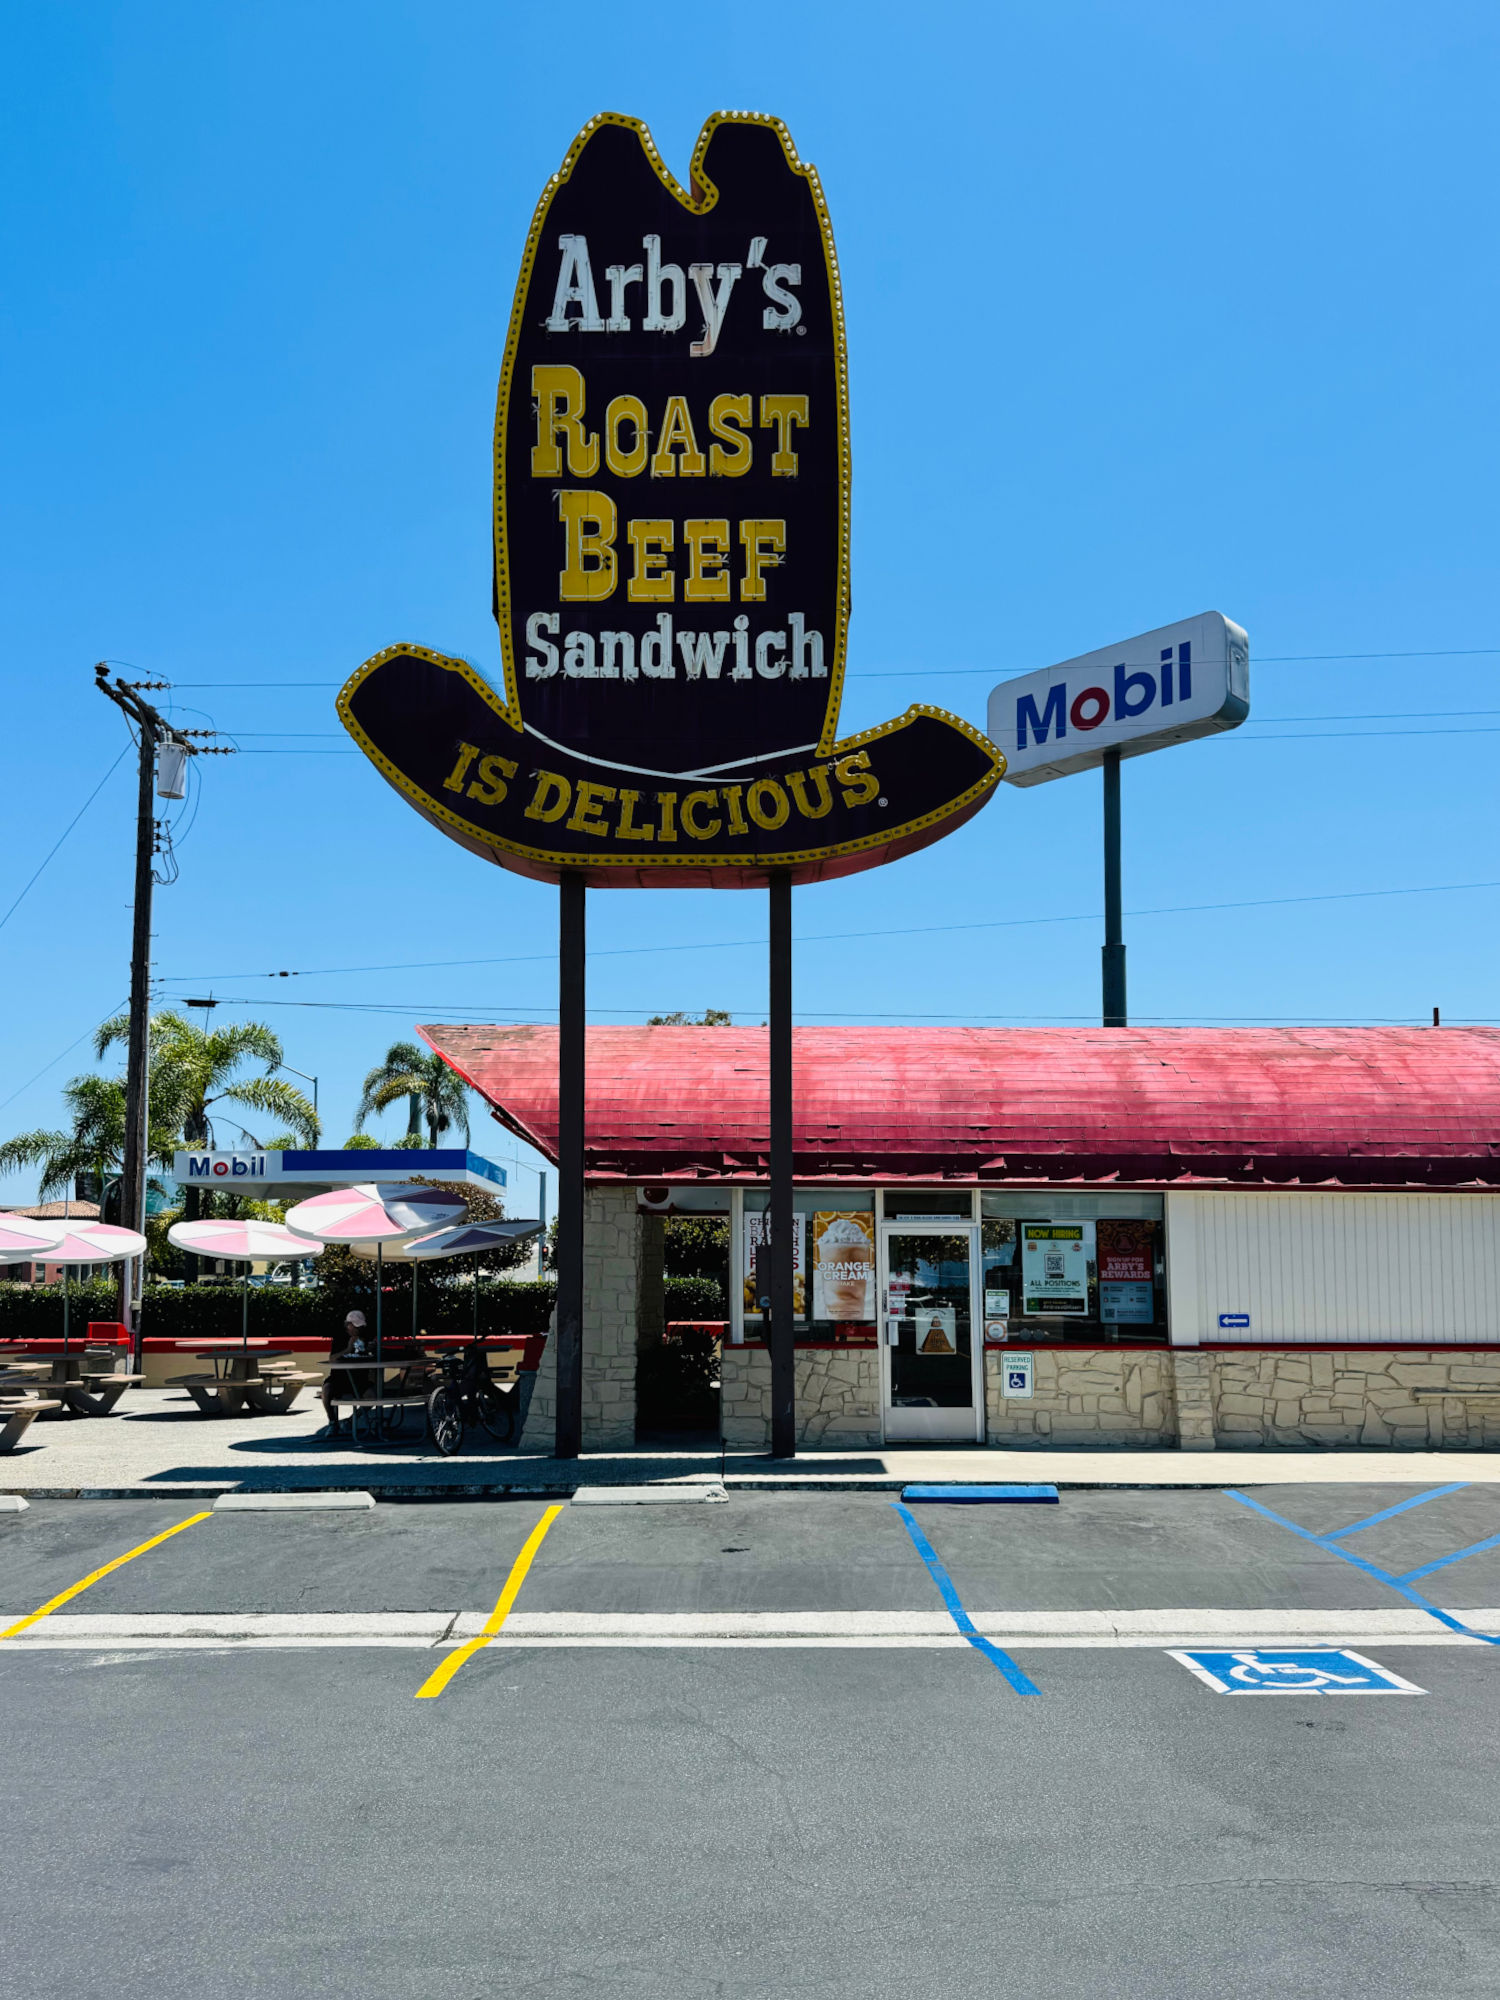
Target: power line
(485, 1015)
(58, 1057)
(1261, 721)
(1013, 673)
(63, 836)
(841, 937)
(1224, 736)
(1257, 659)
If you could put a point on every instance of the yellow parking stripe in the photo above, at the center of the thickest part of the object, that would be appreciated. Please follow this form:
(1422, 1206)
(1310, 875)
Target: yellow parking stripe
(438, 1680)
(94, 1576)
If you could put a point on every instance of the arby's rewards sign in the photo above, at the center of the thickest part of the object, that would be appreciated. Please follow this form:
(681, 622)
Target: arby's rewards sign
(671, 552)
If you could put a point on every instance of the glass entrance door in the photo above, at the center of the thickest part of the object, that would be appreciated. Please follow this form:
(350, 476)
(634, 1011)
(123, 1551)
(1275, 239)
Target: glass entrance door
(927, 1334)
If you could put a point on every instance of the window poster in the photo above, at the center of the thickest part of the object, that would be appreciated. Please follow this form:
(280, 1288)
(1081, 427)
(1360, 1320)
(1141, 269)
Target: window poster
(936, 1329)
(843, 1263)
(758, 1237)
(1124, 1252)
(1055, 1268)
(1127, 1295)
(1126, 1305)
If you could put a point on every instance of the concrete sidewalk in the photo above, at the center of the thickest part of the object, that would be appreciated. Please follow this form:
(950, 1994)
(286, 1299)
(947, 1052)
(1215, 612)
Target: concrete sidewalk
(158, 1443)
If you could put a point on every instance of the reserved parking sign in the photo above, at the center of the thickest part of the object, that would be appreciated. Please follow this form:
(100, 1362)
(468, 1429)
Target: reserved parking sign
(1017, 1375)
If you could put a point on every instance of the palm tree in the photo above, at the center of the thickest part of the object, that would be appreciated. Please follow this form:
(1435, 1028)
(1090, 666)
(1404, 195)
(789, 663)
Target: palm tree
(193, 1068)
(432, 1091)
(93, 1149)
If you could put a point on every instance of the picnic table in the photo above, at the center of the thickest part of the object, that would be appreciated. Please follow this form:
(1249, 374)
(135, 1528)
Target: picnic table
(242, 1373)
(410, 1391)
(439, 1363)
(88, 1382)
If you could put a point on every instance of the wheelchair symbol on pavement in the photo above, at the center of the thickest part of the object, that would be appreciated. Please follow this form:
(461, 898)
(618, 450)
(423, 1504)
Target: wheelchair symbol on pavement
(1261, 1672)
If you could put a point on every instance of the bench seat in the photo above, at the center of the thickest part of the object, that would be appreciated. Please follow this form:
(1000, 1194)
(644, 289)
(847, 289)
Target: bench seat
(16, 1419)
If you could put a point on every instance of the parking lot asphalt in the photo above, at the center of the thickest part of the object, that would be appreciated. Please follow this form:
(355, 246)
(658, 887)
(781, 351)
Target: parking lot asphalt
(758, 1551)
(807, 1819)
(819, 1824)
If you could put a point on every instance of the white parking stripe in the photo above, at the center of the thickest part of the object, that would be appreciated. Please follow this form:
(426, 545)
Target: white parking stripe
(187, 1632)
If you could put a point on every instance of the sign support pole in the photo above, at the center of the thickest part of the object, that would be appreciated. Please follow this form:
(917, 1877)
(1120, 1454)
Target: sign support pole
(571, 1070)
(783, 1350)
(1114, 922)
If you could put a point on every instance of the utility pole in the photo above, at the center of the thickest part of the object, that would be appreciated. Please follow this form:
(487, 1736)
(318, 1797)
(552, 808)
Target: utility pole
(154, 730)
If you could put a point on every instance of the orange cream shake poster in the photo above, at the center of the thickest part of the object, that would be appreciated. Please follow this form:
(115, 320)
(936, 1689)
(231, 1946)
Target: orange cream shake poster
(843, 1261)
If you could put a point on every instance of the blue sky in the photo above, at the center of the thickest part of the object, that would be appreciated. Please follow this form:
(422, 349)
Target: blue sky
(1151, 308)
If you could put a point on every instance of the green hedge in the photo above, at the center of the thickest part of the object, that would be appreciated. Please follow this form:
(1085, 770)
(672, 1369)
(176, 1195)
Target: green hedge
(199, 1312)
(30, 1312)
(695, 1298)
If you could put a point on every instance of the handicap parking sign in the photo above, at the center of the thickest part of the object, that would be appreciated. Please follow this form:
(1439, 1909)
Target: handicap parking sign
(1258, 1671)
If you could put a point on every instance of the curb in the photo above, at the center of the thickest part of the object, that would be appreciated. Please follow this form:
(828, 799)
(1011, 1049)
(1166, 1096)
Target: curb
(561, 1490)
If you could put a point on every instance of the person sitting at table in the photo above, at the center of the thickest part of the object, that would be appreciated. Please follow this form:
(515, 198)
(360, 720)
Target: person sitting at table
(340, 1387)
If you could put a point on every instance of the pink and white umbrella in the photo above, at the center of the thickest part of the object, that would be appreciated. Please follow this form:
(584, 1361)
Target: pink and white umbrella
(96, 1243)
(247, 1243)
(22, 1238)
(382, 1215)
(74, 1243)
(242, 1242)
(373, 1214)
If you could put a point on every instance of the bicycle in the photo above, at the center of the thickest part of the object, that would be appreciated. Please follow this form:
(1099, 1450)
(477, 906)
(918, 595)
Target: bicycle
(469, 1395)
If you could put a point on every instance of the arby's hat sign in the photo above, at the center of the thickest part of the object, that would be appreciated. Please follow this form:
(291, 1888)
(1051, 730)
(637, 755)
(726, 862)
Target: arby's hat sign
(671, 552)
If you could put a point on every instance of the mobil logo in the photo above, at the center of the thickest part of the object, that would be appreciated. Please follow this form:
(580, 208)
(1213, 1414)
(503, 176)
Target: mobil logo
(221, 1167)
(1134, 693)
(1162, 687)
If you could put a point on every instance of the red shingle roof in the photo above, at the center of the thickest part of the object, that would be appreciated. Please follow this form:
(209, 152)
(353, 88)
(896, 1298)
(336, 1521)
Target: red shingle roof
(1237, 1106)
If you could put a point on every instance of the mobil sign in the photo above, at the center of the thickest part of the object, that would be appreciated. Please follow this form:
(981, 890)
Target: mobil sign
(1167, 686)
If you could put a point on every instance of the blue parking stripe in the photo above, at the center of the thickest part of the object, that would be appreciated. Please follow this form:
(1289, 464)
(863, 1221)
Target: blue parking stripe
(1401, 1585)
(956, 1612)
(1390, 1513)
(1426, 1569)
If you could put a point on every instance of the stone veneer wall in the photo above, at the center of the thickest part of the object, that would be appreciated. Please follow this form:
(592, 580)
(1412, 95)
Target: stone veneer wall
(1417, 1397)
(611, 1262)
(1098, 1396)
(1202, 1400)
(838, 1397)
(1191, 1399)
